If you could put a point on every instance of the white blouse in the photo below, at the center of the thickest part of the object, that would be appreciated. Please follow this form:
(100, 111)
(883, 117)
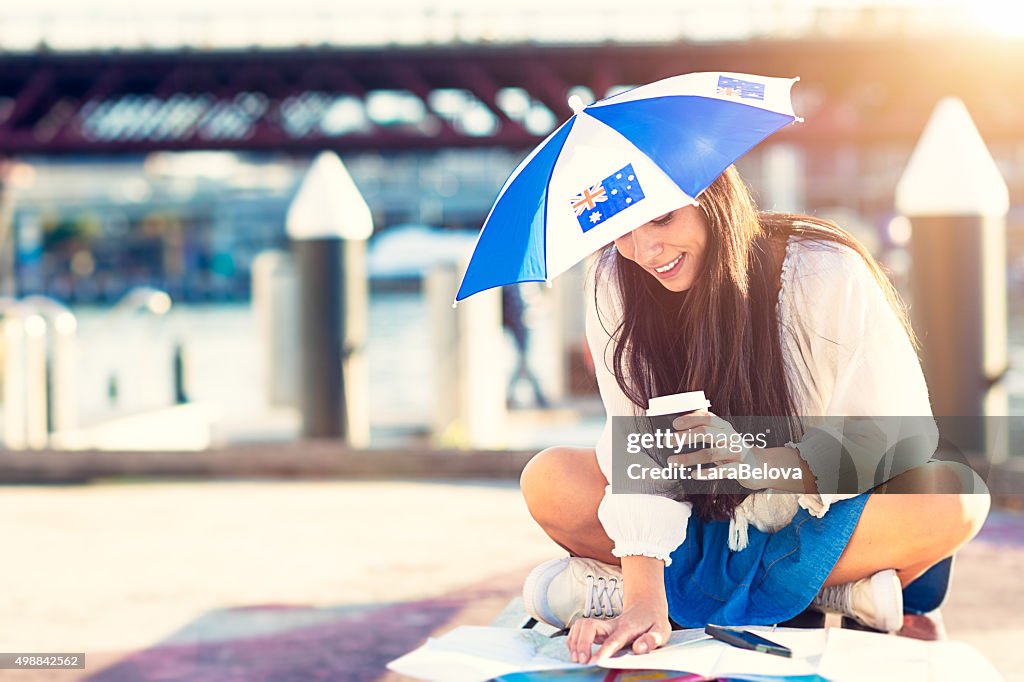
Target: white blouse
(846, 355)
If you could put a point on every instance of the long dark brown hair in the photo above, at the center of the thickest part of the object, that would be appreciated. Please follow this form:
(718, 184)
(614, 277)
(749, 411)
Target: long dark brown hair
(722, 335)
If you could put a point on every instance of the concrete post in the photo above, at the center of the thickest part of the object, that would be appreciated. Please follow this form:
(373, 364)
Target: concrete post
(957, 202)
(275, 297)
(470, 386)
(568, 320)
(784, 177)
(446, 430)
(328, 223)
(61, 362)
(24, 378)
(548, 351)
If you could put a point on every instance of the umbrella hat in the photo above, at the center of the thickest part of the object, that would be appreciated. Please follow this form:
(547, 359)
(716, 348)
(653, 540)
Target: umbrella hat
(617, 164)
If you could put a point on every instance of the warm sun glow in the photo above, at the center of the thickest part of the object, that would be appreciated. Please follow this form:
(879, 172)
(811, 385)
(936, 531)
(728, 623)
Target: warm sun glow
(1002, 17)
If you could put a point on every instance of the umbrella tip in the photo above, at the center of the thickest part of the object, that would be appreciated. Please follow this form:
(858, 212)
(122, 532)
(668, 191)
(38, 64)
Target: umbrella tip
(798, 119)
(455, 304)
(576, 103)
(547, 283)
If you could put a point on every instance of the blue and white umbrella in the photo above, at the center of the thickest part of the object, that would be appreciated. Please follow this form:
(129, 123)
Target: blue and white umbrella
(617, 164)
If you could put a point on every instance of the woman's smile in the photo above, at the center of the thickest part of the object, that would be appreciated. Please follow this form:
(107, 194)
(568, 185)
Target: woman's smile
(670, 248)
(670, 269)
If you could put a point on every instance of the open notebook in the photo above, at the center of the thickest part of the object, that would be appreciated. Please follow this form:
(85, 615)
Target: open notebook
(476, 654)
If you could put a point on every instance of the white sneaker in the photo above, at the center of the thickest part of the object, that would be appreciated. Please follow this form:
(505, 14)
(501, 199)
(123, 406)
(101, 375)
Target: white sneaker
(561, 591)
(875, 601)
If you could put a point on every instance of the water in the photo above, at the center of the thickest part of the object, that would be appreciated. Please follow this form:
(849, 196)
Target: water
(225, 364)
(125, 365)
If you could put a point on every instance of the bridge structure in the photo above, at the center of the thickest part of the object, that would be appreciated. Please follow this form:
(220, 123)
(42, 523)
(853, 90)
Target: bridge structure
(853, 92)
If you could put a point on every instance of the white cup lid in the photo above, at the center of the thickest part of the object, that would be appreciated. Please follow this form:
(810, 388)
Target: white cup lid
(677, 402)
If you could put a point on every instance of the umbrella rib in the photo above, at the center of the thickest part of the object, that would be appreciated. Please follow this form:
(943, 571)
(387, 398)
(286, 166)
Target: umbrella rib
(547, 188)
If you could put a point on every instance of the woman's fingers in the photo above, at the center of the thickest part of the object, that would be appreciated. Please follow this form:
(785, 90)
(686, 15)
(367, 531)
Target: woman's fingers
(575, 636)
(570, 640)
(573, 641)
(691, 421)
(618, 637)
(583, 635)
(587, 632)
(649, 641)
(691, 458)
(646, 630)
(706, 456)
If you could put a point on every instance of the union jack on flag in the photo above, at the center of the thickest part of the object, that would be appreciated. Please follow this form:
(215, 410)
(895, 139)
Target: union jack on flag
(611, 196)
(588, 199)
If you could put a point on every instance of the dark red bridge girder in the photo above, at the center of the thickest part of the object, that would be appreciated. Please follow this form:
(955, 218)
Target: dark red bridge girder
(852, 92)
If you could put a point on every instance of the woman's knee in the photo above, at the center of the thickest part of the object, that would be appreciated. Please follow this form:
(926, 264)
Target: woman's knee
(560, 484)
(910, 532)
(536, 479)
(967, 516)
(947, 521)
(959, 517)
(949, 494)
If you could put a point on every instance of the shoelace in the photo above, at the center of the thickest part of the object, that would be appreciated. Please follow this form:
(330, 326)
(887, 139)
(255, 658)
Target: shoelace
(835, 598)
(604, 596)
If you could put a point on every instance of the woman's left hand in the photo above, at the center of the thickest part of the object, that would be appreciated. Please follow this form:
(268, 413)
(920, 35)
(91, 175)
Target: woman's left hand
(645, 625)
(731, 450)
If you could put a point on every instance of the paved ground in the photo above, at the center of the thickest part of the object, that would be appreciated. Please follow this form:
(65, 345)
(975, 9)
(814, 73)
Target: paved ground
(319, 580)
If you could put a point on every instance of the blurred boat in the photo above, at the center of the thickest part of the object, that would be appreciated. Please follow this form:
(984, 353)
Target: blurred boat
(406, 253)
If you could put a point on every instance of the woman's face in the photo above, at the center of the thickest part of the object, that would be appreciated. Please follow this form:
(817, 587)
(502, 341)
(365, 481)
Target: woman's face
(670, 248)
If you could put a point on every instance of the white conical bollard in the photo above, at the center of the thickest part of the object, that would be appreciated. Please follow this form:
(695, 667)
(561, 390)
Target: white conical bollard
(328, 224)
(957, 201)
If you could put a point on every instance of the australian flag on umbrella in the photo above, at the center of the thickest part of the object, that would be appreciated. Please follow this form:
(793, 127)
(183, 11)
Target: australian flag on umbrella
(611, 196)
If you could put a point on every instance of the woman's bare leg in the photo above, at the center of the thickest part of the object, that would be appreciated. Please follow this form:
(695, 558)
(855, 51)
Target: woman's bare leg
(913, 532)
(907, 532)
(563, 488)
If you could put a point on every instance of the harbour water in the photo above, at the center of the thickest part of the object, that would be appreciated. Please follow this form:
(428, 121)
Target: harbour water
(125, 369)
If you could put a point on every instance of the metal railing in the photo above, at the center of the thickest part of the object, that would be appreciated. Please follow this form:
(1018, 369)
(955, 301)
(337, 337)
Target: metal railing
(38, 364)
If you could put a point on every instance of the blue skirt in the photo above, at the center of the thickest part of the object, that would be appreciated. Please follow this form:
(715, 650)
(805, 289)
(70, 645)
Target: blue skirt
(770, 581)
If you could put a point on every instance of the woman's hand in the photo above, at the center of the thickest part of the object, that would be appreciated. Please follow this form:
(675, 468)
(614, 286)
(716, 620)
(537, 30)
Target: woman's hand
(736, 449)
(644, 624)
(737, 452)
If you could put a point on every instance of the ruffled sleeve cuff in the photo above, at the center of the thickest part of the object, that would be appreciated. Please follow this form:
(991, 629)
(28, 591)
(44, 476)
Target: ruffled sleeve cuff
(822, 449)
(644, 525)
(817, 505)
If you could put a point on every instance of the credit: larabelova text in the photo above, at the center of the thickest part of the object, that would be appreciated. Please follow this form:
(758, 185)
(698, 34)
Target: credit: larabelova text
(739, 471)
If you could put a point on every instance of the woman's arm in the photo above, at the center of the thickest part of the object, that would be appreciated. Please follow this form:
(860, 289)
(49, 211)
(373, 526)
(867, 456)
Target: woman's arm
(795, 474)
(875, 417)
(645, 528)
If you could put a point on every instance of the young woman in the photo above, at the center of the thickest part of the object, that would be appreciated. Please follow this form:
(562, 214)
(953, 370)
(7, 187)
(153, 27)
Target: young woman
(771, 316)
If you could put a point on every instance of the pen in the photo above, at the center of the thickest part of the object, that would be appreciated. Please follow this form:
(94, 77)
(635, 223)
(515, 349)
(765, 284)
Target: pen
(747, 640)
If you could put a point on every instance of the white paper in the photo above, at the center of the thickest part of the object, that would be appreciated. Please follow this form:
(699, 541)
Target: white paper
(710, 658)
(857, 655)
(476, 654)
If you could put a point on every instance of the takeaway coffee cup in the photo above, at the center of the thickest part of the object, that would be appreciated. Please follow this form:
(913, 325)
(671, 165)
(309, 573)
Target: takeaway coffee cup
(662, 411)
(677, 404)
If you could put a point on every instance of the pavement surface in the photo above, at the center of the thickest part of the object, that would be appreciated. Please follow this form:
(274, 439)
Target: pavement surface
(281, 581)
